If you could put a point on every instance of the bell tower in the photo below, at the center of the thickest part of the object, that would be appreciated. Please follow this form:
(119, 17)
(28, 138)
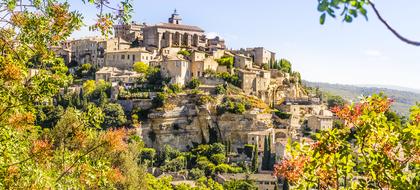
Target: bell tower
(175, 18)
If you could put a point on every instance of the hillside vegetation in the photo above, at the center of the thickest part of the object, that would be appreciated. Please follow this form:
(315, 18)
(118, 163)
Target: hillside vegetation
(403, 99)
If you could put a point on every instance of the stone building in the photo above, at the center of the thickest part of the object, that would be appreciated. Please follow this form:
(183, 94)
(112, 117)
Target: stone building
(259, 55)
(215, 44)
(173, 34)
(112, 74)
(258, 138)
(177, 68)
(242, 62)
(129, 32)
(254, 80)
(323, 121)
(92, 50)
(263, 56)
(124, 59)
(200, 63)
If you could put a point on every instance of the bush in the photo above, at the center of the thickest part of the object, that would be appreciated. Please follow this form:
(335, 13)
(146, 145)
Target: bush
(196, 173)
(218, 158)
(205, 99)
(141, 67)
(184, 52)
(114, 116)
(194, 83)
(159, 100)
(175, 165)
(147, 155)
(176, 88)
(233, 79)
(226, 61)
(220, 89)
(282, 115)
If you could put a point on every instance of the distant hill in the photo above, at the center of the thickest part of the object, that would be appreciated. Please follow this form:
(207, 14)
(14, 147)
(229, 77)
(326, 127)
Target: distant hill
(403, 99)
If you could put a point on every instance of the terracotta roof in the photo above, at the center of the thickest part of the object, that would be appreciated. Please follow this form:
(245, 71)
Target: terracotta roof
(179, 27)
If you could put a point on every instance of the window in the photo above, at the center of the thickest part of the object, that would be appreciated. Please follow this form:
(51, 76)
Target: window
(134, 57)
(128, 57)
(123, 57)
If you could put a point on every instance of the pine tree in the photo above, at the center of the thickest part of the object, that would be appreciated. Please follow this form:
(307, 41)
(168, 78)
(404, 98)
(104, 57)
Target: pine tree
(267, 154)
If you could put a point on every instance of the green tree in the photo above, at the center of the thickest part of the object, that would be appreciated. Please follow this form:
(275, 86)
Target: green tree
(285, 66)
(114, 116)
(240, 185)
(141, 67)
(194, 83)
(255, 165)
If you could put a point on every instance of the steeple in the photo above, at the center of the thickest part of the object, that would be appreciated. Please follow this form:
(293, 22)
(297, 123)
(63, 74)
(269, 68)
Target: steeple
(175, 18)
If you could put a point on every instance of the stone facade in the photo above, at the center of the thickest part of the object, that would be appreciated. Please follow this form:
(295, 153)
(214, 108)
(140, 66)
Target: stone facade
(242, 62)
(259, 55)
(200, 63)
(124, 59)
(129, 32)
(177, 68)
(254, 80)
(92, 50)
(173, 34)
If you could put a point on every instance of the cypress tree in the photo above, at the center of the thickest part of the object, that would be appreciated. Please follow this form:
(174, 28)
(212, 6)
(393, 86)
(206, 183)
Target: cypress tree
(267, 154)
(255, 159)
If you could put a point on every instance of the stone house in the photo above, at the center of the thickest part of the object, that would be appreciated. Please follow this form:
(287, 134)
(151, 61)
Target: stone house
(259, 55)
(92, 50)
(242, 62)
(124, 59)
(177, 68)
(254, 80)
(263, 181)
(258, 138)
(200, 63)
(323, 121)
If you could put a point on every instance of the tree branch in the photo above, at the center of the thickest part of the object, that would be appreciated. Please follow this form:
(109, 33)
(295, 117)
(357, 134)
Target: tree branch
(399, 36)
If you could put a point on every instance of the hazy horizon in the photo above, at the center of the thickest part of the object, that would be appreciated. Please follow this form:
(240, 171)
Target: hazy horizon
(363, 52)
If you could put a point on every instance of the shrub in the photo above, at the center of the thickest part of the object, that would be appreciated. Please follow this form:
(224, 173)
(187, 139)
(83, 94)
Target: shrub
(141, 67)
(159, 100)
(176, 88)
(220, 89)
(184, 52)
(218, 158)
(194, 83)
(226, 61)
(282, 115)
(196, 173)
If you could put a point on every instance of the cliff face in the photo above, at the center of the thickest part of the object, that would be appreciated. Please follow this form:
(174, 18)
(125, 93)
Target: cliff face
(186, 123)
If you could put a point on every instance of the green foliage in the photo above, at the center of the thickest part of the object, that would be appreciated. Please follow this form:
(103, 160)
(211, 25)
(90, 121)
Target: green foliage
(240, 185)
(266, 160)
(163, 183)
(175, 88)
(248, 150)
(184, 53)
(226, 61)
(194, 84)
(147, 156)
(220, 89)
(196, 173)
(141, 67)
(175, 165)
(282, 115)
(372, 150)
(114, 116)
(237, 106)
(159, 100)
(334, 101)
(218, 158)
(285, 66)
(349, 10)
(233, 79)
(255, 164)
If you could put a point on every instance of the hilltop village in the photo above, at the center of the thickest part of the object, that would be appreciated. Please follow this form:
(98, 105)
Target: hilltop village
(233, 110)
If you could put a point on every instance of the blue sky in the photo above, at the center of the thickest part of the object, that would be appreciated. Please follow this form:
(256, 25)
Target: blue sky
(362, 52)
